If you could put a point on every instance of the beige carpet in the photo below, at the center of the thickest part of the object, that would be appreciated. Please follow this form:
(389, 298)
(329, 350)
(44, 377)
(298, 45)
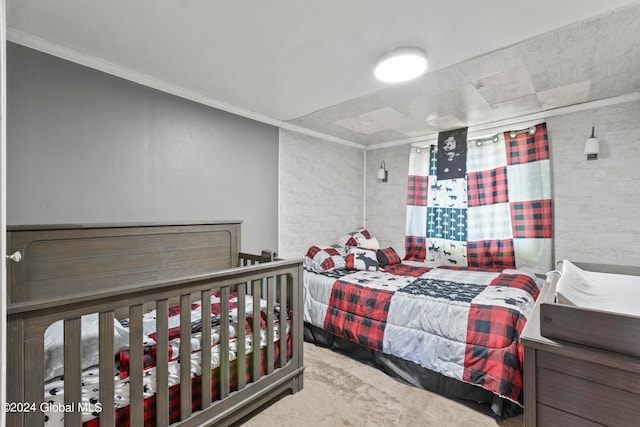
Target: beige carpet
(339, 391)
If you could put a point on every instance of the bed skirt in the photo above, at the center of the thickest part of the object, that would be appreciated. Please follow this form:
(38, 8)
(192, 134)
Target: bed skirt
(413, 374)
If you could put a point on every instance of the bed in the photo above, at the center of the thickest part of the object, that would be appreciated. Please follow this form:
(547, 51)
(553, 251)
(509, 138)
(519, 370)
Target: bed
(116, 324)
(452, 330)
(582, 353)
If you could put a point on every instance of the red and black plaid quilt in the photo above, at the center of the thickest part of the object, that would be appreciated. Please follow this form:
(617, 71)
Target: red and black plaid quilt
(462, 322)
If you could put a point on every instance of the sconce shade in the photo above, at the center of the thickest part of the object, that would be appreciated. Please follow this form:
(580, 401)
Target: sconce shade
(592, 147)
(382, 172)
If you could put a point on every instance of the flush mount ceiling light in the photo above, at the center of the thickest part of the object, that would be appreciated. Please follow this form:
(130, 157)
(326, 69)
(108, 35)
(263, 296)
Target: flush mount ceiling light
(401, 64)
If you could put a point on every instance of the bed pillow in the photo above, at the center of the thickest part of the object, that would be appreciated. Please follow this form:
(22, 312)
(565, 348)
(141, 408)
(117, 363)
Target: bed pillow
(362, 259)
(355, 238)
(371, 243)
(348, 240)
(320, 259)
(361, 233)
(387, 256)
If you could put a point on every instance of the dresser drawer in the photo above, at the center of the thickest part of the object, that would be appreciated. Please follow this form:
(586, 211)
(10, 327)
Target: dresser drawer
(587, 390)
(552, 417)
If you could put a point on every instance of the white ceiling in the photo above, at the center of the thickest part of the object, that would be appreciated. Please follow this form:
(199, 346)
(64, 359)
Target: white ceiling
(309, 64)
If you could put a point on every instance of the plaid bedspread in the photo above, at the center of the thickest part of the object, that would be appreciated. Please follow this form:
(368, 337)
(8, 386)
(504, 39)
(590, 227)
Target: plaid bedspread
(54, 390)
(461, 322)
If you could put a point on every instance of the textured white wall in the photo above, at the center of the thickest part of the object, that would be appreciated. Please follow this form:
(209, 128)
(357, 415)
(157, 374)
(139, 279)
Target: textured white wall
(386, 201)
(321, 192)
(596, 202)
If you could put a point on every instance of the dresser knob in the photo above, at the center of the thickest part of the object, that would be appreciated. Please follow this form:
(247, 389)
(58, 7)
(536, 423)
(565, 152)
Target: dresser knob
(15, 257)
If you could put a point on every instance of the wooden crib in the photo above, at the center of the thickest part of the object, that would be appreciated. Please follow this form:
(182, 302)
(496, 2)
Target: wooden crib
(60, 273)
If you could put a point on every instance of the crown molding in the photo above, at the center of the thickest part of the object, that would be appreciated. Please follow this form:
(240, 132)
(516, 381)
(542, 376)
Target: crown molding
(299, 129)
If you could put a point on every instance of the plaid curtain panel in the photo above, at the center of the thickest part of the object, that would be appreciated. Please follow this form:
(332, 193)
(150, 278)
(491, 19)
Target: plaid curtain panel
(487, 187)
(437, 219)
(417, 190)
(499, 216)
(417, 193)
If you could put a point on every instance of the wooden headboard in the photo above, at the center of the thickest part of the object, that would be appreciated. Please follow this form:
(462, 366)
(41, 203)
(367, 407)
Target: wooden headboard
(60, 262)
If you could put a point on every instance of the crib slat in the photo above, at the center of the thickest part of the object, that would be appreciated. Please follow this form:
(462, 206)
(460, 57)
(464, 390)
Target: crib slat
(297, 309)
(136, 410)
(241, 337)
(162, 363)
(270, 317)
(185, 356)
(205, 345)
(106, 370)
(72, 371)
(255, 330)
(224, 343)
(282, 321)
(17, 360)
(33, 379)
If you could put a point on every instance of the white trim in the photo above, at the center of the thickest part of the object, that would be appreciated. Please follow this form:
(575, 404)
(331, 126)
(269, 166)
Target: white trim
(278, 249)
(93, 62)
(364, 184)
(299, 129)
(50, 48)
(3, 207)
(516, 122)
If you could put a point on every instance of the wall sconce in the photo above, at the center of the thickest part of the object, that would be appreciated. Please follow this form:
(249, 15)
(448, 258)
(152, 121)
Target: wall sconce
(383, 174)
(592, 147)
(515, 133)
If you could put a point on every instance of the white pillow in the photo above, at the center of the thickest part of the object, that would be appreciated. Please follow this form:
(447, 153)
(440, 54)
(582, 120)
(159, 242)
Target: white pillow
(371, 243)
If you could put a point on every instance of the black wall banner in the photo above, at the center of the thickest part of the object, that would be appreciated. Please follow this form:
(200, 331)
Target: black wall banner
(452, 154)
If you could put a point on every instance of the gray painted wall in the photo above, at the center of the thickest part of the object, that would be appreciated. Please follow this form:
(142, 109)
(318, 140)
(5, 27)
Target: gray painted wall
(87, 147)
(321, 192)
(596, 203)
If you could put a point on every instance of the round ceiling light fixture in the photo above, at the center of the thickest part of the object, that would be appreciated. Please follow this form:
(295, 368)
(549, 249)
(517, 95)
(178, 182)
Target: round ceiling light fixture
(401, 64)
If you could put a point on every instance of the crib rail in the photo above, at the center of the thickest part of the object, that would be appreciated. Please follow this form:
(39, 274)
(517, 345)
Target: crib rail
(278, 282)
(246, 259)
